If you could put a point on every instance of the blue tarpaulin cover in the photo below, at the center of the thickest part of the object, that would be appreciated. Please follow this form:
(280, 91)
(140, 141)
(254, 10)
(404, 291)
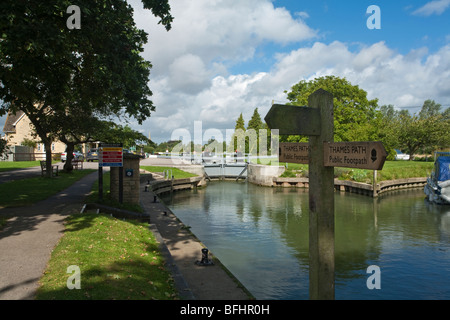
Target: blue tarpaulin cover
(442, 168)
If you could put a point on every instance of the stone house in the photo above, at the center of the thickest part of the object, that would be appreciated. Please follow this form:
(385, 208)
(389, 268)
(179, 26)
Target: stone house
(18, 127)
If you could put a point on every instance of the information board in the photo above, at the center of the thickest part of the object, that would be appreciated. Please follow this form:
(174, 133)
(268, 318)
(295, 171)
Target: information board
(110, 155)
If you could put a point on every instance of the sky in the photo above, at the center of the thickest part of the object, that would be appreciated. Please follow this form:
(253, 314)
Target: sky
(226, 57)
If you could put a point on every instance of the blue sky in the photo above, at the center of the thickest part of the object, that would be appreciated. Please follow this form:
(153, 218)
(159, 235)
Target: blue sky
(338, 20)
(226, 57)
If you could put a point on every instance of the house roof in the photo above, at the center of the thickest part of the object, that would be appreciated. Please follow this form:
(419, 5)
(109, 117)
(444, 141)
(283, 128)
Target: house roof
(11, 120)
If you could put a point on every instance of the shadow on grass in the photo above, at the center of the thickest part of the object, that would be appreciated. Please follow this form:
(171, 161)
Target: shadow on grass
(117, 260)
(135, 279)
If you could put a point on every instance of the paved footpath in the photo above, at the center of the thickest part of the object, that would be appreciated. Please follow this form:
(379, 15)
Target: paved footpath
(29, 237)
(184, 249)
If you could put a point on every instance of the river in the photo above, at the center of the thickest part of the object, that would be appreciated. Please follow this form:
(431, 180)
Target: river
(261, 235)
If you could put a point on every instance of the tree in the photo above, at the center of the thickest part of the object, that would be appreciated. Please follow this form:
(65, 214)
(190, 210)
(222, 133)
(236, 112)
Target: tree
(426, 132)
(238, 135)
(28, 143)
(254, 125)
(429, 109)
(51, 72)
(115, 133)
(255, 122)
(354, 114)
(91, 129)
(3, 147)
(240, 123)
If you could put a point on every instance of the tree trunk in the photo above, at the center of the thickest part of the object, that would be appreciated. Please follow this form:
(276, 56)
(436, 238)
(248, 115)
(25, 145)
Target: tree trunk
(48, 158)
(68, 167)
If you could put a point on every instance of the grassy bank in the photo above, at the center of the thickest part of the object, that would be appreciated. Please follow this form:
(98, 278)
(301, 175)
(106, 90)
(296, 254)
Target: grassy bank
(392, 170)
(118, 260)
(25, 192)
(177, 173)
(14, 165)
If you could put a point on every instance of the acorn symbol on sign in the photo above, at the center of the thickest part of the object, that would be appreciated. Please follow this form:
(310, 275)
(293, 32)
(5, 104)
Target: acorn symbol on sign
(374, 155)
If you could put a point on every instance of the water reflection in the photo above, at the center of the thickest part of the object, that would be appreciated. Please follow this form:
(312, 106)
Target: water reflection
(261, 235)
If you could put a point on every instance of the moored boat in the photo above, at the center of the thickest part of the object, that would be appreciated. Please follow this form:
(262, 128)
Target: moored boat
(437, 188)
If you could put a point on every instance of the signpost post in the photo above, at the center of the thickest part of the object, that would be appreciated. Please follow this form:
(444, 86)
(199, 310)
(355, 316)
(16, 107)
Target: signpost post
(110, 155)
(322, 154)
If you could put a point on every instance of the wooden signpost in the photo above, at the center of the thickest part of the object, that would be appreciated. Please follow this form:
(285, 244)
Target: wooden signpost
(294, 152)
(359, 155)
(322, 154)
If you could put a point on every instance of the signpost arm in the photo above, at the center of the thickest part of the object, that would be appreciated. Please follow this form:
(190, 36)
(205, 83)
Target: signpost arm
(321, 203)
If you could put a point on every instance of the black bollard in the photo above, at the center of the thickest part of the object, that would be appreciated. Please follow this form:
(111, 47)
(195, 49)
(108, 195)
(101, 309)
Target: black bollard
(205, 261)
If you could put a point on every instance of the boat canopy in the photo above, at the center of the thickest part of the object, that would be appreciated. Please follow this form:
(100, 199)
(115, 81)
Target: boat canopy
(442, 166)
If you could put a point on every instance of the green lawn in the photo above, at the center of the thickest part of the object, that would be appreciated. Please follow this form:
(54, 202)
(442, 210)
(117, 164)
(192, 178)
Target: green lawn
(27, 191)
(391, 170)
(13, 165)
(117, 260)
(405, 169)
(177, 173)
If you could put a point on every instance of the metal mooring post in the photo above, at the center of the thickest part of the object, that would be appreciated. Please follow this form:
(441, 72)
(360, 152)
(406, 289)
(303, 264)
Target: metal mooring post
(205, 260)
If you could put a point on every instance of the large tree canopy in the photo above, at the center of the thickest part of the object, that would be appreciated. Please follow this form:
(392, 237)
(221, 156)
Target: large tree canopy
(50, 71)
(353, 112)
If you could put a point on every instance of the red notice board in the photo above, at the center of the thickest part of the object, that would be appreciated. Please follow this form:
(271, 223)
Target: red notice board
(110, 155)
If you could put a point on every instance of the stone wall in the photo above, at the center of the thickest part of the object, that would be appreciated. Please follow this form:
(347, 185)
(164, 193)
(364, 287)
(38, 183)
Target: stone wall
(263, 175)
(131, 184)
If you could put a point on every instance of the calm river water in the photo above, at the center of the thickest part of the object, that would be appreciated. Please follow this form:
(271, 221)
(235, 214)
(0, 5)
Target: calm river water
(261, 235)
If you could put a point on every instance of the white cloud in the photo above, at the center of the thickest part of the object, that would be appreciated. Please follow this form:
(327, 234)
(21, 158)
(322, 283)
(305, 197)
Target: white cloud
(188, 74)
(402, 80)
(221, 31)
(434, 7)
(191, 80)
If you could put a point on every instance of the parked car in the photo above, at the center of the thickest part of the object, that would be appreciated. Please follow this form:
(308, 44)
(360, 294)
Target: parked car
(92, 155)
(400, 155)
(77, 155)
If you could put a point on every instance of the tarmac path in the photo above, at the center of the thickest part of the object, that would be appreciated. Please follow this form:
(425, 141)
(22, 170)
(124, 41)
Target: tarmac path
(27, 240)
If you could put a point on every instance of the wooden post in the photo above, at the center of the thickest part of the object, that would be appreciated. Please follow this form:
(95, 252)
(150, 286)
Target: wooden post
(317, 122)
(121, 185)
(321, 203)
(375, 187)
(100, 183)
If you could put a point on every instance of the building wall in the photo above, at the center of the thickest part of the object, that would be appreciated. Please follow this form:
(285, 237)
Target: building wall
(24, 128)
(23, 131)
